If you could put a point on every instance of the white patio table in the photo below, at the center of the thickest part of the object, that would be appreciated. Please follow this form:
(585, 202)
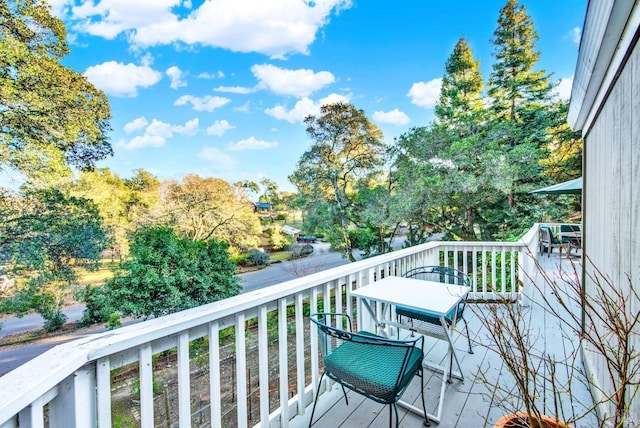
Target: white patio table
(434, 297)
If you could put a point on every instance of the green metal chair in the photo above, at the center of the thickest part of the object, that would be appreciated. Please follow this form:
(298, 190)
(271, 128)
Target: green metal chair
(425, 322)
(370, 365)
(570, 235)
(548, 241)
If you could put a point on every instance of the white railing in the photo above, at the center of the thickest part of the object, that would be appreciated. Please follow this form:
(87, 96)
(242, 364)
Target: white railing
(260, 369)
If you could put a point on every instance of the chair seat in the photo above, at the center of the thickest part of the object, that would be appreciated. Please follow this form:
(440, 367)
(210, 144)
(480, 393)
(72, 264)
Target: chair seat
(372, 369)
(426, 316)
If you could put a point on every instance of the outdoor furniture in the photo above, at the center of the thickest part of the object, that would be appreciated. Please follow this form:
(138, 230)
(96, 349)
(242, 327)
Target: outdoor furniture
(548, 241)
(370, 365)
(423, 321)
(571, 236)
(416, 295)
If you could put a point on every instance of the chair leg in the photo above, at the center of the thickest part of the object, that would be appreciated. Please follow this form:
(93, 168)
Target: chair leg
(391, 407)
(424, 406)
(316, 400)
(344, 392)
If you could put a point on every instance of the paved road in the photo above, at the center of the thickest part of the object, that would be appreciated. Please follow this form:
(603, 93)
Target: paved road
(12, 356)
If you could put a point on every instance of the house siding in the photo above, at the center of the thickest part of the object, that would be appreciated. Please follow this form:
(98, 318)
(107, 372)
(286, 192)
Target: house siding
(611, 197)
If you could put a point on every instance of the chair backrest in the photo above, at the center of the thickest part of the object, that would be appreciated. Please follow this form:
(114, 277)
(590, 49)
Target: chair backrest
(369, 364)
(546, 236)
(442, 274)
(572, 228)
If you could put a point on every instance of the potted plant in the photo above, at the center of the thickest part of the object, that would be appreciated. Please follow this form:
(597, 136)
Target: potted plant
(538, 388)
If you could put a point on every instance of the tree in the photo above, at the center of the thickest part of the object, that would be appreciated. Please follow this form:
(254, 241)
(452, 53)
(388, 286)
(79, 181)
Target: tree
(450, 170)
(345, 148)
(167, 274)
(520, 100)
(51, 117)
(144, 198)
(110, 194)
(514, 85)
(210, 208)
(270, 194)
(44, 239)
(460, 94)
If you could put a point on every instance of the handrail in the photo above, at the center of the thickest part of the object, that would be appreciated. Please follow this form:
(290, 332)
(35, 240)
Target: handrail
(72, 380)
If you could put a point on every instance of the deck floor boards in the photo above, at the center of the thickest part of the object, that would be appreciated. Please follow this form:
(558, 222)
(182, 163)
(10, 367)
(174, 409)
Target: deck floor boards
(468, 403)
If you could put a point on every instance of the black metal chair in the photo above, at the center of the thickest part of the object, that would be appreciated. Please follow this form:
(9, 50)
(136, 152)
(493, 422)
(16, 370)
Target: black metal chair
(425, 321)
(370, 365)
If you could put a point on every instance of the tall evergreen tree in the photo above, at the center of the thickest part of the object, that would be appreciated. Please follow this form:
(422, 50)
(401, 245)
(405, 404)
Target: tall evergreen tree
(521, 113)
(514, 85)
(462, 84)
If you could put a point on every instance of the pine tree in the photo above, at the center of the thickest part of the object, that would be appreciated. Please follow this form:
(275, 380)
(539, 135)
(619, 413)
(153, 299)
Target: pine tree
(514, 85)
(521, 98)
(462, 84)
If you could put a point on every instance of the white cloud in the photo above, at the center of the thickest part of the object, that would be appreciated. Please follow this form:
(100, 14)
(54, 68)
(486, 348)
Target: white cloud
(219, 127)
(177, 77)
(243, 108)
(206, 103)
(135, 125)
(394, 117)
(217, 75)
(576, 34)
(156, 133)
(251, 144)
(108, 18)
(58, 7)
(235, 89)
(563, 88)
(189, 128)
(299, 83)
(144, 141)
(425, 94)
(303, 108)
(217, 157)
(122, 80)
(275, 28)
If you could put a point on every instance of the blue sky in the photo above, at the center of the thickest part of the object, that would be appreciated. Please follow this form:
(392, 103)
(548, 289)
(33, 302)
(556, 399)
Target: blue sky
(220, 87)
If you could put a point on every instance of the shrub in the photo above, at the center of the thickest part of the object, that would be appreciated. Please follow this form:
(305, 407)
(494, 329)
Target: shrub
(300, 250)
(256, 257)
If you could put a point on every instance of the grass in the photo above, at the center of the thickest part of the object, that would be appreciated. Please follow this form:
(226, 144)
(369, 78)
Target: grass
(99, 276)
(280, 255)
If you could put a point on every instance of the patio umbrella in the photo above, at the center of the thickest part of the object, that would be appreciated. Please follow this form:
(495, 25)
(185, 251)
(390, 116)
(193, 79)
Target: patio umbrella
(573, 187)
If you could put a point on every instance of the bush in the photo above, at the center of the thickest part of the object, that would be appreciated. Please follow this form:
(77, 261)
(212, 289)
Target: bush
(300, 250)
(256, 257)
(97, 302)
(54, 321)
(167, 273)
(114, 321)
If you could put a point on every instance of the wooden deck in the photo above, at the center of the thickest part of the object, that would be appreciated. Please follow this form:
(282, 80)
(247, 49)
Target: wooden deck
(469, 403)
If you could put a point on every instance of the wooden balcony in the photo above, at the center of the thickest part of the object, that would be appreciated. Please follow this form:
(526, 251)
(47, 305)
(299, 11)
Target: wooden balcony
(262, 368)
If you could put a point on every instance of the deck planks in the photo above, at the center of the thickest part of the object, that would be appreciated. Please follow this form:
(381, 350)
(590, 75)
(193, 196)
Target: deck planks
(468, 403)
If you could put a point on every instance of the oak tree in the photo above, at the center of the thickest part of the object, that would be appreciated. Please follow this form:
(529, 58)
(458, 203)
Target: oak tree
(51, 117)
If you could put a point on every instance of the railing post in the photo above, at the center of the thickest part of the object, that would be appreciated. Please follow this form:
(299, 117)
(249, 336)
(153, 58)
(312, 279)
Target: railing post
(75, 404)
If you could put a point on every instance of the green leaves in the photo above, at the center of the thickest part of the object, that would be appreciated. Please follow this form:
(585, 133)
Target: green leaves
(51, 117)
(346, 148)
(167, 274)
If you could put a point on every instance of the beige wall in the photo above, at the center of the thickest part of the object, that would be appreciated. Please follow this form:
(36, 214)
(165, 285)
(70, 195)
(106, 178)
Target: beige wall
(611, 220)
